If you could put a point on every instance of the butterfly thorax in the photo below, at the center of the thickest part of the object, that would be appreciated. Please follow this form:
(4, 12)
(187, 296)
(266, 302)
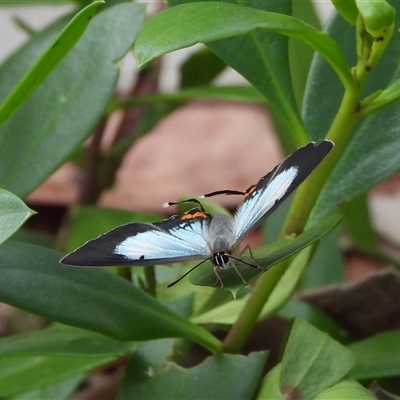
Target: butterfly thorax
(221, 239)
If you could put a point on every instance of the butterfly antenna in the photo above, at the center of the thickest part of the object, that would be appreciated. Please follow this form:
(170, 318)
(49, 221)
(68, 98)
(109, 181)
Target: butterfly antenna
(172, 203)
(187, 273)
(222, 192)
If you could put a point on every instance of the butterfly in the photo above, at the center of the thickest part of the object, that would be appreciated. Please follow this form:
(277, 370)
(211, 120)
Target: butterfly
(196, 234)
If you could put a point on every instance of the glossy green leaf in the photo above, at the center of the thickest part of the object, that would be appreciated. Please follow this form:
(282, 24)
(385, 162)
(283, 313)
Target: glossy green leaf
(214, 378)
(263, 56)
(18, 64)
(314, 316)
(13, 213)
(377, 356)
(63, 341)
(31, 278)
(60, 47)
(301, 55)
(266, 256)
(200, 69)
(347, 9)
(312, 362)
(23, 374)
(346, 390)
(288, 282)
(64, 109)
(228, 312)
(372, 153)
(62, 390)
(381, 99)
(263, 60)
(327, 264)
(358, 223)
(60, 356)
(270, 385)
(37, 238)
(223, 20)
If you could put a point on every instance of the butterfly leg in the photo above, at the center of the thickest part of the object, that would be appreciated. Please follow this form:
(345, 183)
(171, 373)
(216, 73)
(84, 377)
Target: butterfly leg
(218, 277)
(255, 265)
(240, 275)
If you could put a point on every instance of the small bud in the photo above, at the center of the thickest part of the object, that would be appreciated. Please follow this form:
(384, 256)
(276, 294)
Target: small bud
(379, 17)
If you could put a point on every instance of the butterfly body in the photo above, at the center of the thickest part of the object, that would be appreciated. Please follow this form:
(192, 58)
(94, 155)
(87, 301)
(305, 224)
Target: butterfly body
(196, 234)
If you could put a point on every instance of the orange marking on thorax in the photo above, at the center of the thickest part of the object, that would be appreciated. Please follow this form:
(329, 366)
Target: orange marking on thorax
(194, 215)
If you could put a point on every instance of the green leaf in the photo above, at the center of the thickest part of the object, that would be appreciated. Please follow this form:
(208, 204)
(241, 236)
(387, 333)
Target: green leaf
(270, 385)
(32, 279)
(263, 60)
(314, 316)
(63, 341)
(312, 362)
(188, 24)
(266, 256)
(23, 374)
(62, 390)
(70, 101)
(326, 266)
(60, 353)
(347, 9)
(200, 69)
(13, 213)
(40, 239)
(357, 220)
(60, 47)
(372, 153)
(377, 356)
(301, 55)
(263, 56)
(214, 378)
(346, 390)
(287, 283)
(227, 313)
(381, 99)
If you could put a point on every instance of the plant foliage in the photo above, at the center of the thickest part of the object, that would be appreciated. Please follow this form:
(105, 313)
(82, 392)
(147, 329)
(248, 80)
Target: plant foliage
(59, 88)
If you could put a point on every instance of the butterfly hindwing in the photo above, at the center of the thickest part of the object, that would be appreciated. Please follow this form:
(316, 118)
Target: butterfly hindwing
(272, 189)
(176, 239)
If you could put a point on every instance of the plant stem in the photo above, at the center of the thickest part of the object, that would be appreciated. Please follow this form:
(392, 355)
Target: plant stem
(308, 192)
(296, 219)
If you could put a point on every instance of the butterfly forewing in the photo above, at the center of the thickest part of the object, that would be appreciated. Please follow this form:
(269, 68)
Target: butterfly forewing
(272, 189)
(172, 240)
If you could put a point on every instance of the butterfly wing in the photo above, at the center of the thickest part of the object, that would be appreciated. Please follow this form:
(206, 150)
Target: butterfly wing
(142, 244)
(263, 198)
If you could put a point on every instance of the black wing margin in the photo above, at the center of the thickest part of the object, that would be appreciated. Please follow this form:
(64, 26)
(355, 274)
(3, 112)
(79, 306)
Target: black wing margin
(273, 188)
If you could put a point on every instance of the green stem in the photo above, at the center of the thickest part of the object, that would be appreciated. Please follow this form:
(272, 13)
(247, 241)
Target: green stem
(298, 215)
(241, 329)
(308, 192)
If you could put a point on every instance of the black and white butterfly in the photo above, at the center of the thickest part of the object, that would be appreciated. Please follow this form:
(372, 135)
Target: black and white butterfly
(196, 234)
